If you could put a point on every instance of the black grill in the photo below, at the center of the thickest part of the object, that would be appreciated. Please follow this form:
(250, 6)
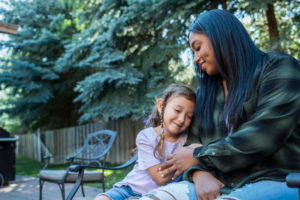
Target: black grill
(7, 157)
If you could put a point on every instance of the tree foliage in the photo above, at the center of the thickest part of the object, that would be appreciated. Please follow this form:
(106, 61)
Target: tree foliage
(108, 59)
(287, 14)
(132, 46)
(42, 97)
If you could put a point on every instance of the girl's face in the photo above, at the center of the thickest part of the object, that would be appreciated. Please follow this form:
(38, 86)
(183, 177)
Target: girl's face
(178, 114)
(204, 53)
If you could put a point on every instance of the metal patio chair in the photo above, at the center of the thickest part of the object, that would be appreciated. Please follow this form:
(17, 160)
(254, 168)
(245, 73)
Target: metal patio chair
(81, 170)
(93, 152)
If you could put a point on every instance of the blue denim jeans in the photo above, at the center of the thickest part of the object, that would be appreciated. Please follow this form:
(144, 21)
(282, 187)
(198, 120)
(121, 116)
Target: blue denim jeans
(120, 193)
(269, 190)
(263, 190)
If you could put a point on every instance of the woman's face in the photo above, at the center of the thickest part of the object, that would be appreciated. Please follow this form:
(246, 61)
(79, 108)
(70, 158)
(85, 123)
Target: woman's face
(204, 53)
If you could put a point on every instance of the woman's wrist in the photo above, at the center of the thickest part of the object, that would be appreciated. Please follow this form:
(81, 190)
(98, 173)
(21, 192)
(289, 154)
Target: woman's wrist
(192, 147)
(195, 174)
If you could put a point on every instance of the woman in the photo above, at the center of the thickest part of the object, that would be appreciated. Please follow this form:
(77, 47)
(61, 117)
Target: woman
(247, 118)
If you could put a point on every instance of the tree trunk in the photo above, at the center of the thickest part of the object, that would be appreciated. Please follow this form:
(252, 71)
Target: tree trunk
(224, 4)
(272, 26)
(272, 22)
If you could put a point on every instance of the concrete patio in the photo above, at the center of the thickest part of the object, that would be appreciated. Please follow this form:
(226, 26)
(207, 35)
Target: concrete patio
(27, 188)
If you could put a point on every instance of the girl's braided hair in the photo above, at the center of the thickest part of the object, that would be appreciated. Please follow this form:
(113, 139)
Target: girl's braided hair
(157, 119)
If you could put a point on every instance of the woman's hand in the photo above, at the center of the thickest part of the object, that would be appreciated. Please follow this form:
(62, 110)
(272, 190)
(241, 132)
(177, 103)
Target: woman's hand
(180, 161)
(206, 185)
(195, 145)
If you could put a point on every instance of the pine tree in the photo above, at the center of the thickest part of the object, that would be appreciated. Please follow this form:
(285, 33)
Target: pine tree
(40, 96)
(134, 49)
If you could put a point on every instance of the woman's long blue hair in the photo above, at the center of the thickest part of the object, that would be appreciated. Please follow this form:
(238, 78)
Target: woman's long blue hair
(237, 58)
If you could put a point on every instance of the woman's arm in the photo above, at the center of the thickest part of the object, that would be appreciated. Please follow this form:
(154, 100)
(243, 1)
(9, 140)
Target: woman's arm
(206, 185)
(180, 161)
(163, 177)
(158, 176)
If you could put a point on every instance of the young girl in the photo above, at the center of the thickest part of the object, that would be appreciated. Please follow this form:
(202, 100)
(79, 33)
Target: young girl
(164, 133)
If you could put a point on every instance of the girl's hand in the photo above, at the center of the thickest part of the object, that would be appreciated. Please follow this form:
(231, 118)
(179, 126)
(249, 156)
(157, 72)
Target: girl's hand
(206, 185)
(180, 161)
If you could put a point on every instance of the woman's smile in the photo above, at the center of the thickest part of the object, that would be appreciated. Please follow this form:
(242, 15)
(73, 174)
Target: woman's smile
(201, 64)
(203, 53)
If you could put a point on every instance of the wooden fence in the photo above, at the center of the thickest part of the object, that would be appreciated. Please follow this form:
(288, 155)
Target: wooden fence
(63, 142)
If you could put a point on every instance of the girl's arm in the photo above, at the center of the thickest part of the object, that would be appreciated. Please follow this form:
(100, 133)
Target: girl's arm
(146, 159)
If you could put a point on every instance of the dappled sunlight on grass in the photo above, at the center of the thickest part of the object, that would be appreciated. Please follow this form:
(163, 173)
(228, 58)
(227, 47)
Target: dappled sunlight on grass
(113, 176)
(108, 172)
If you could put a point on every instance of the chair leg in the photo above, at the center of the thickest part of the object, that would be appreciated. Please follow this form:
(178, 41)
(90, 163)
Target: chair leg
(82, 190)
(103, 182)
(41, 189)
(62, 190)
(103, 185)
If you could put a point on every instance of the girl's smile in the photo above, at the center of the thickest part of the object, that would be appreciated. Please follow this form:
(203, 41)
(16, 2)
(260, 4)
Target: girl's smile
(178, 114)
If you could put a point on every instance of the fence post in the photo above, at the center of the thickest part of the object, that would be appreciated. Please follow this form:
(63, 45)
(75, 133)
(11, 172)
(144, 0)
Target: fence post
(39, 156)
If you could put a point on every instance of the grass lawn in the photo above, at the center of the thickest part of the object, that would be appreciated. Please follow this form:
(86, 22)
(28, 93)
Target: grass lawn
(29, 167)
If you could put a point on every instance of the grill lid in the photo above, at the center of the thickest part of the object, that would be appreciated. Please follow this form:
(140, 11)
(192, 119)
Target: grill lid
(4, 133)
